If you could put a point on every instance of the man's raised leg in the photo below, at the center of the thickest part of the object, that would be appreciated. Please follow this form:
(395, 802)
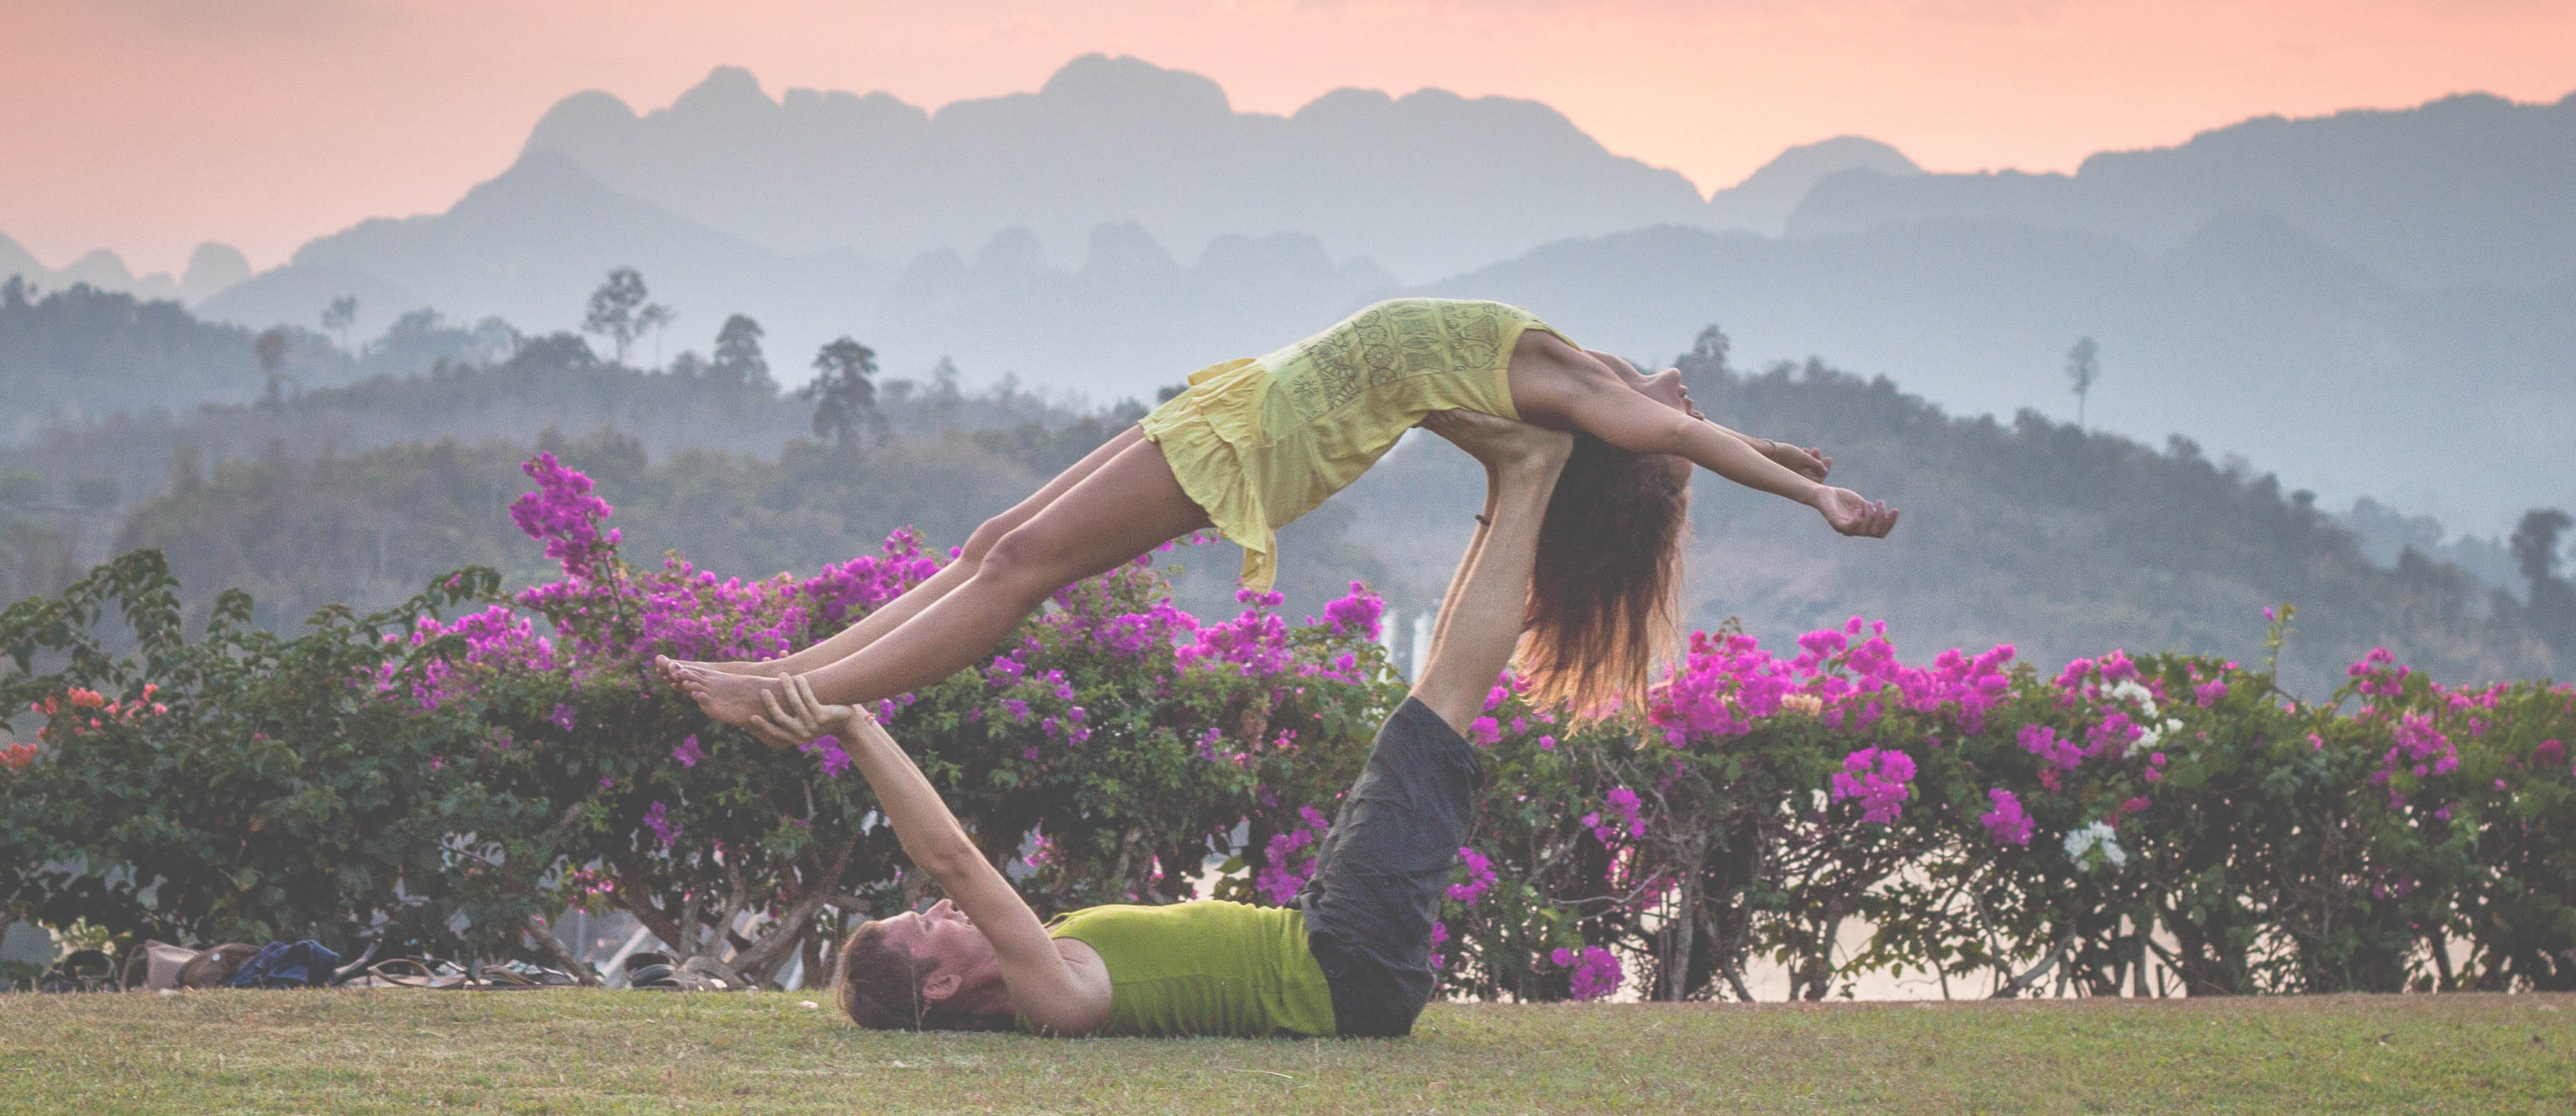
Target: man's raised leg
(1380, 872)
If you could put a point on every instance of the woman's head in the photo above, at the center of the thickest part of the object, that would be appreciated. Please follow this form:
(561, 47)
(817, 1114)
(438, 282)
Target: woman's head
(1605, 595)
(921, 971)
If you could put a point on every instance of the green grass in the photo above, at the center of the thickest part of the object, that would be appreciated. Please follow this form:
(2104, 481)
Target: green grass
(600, 1052)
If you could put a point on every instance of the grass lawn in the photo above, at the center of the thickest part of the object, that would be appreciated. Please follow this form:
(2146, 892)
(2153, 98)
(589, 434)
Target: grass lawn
(600, 1052)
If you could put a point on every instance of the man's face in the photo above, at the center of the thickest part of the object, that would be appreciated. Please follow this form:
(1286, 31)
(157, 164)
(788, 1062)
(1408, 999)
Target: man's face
(942, 934)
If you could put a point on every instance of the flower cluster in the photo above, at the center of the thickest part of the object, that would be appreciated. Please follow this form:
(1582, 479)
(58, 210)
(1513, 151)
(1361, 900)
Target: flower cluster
(565, 516)
(1479, 872)
(2008, 823)
(2096, 844)
(1288, 861)
(1878, 777)
(1597, 972)
(1847, 677)
(80, 710)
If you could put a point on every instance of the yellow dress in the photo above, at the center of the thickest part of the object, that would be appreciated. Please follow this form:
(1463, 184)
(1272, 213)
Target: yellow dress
(1259, 441)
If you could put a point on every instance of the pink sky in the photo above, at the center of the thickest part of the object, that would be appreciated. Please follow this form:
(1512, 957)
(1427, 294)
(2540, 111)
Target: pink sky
(145, 126)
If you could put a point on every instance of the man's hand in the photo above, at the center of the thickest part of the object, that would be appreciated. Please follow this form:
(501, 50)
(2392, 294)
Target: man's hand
(1497, 441)
(802, 716)
(1852, 515)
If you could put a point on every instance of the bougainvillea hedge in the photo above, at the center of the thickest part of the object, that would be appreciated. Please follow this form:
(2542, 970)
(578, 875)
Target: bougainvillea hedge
(447, 773)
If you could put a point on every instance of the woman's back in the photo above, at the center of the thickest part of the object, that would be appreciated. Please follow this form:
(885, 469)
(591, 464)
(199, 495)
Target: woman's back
(1263, 440)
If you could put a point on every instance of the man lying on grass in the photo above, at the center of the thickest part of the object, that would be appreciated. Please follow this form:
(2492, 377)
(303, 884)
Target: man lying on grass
(1351, 958)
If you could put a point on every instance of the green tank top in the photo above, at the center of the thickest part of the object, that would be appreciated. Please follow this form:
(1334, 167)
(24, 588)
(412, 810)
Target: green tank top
(1207, 968)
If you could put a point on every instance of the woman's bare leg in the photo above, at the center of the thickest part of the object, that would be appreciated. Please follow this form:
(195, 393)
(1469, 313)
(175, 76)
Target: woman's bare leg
(1129, 505)
(876, 624)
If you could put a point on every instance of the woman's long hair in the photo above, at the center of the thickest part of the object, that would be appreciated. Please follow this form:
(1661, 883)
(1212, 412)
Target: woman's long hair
(1605, 596)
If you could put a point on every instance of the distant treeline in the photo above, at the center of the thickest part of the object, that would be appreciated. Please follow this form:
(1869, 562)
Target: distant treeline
(2064, 540)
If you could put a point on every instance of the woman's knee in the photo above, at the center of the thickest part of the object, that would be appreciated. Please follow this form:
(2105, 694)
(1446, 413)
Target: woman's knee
(1023, 559)
(982, 540)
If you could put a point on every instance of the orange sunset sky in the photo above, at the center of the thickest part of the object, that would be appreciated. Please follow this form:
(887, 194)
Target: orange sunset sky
(145, 126)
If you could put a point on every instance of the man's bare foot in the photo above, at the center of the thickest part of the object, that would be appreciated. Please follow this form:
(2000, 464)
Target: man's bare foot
(731, 698)
(1497, 441)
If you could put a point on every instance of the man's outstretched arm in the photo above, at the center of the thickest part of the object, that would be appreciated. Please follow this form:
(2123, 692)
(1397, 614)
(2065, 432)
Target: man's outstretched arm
(1042, 987)
(1480, 622)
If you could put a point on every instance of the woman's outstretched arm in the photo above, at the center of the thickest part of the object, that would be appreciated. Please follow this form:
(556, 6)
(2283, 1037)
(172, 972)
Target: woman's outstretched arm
(1555, 384)
(1806, 461)
(1043, 987)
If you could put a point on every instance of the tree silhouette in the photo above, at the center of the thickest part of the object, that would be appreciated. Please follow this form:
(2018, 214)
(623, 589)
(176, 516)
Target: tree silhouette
(843, 395)
(270, 348)
(655, 316)
(619, 313)
(2535, 552)
(738, 361)
(1710, 348)
(339, 316)
(2083, 369)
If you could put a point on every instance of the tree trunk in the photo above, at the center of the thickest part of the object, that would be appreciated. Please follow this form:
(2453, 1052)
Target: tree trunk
(1680, 930)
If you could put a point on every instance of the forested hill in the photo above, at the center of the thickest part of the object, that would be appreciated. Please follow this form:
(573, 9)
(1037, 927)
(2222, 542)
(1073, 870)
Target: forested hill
(2034, 533)
(2059, 541)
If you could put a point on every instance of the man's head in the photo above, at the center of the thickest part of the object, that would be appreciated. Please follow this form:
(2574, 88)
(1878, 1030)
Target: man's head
(922, 971)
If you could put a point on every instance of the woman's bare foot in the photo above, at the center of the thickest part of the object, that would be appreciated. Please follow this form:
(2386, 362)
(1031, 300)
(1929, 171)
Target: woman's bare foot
(731, 698)
(670, 669)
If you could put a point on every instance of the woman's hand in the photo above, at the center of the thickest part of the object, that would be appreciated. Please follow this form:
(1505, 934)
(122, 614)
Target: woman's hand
(802, 716)
(1852, 515)
(1810, 462)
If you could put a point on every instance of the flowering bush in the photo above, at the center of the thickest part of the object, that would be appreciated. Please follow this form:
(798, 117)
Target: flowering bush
(450, 771)
(519, 757)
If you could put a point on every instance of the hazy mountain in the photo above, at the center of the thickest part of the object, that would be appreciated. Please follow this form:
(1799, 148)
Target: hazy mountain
(2470, 189)
(1425, 184)
(2249, 337)
(211, 268)
(1763, 201)
(531, 244)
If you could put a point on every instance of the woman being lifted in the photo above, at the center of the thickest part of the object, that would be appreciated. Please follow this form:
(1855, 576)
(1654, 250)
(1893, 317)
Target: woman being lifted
(1254, 443)
(1351, 957)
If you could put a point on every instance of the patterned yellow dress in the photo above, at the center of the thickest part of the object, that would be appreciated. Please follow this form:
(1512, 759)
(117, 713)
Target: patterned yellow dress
(1259, 441)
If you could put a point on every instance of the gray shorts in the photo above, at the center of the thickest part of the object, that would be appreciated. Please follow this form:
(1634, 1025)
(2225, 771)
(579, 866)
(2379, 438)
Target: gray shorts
(1381, 871)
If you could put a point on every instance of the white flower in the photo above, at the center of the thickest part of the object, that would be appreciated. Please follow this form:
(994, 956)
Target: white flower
(2096, 836)
(2155, 732)
(2129, 688)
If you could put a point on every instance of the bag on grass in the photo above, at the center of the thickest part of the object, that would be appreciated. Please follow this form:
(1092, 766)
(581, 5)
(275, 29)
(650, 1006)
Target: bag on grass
(297, 964)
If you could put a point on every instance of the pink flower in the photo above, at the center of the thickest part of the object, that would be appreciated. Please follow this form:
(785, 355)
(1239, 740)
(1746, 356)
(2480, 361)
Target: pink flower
(657, 818)
(829, 750)
(688, 753)
(1597, 971)
(2008, 823)
(1878, 778)
(1480, 877)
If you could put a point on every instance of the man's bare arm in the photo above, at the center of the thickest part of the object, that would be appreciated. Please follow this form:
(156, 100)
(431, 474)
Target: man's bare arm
(1042, 987)
(1482, 617)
